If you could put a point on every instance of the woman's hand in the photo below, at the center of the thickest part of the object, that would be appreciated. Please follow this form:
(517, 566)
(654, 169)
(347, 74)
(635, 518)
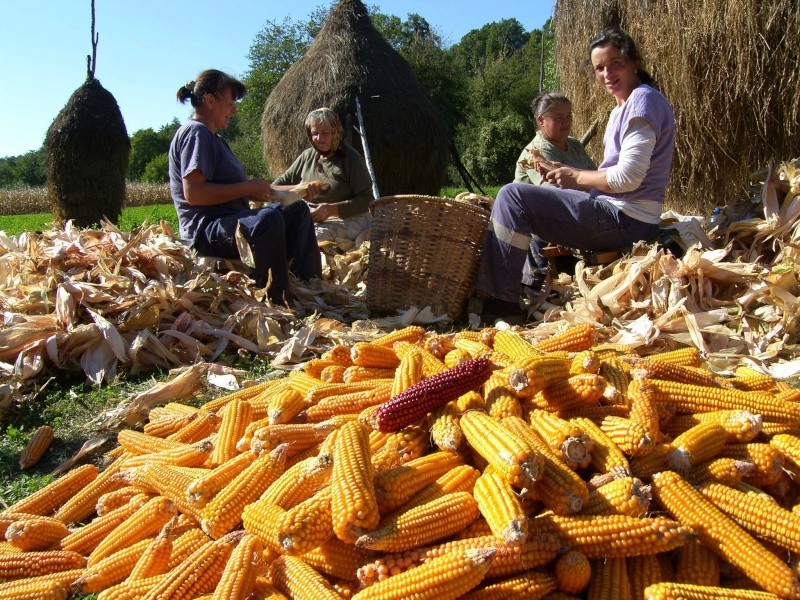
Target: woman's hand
(322, 212)
(563, 177)
(313, 190)
(260, 190)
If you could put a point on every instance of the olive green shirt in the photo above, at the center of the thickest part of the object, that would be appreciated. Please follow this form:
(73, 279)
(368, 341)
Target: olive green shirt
(574, 156)
(345, 170)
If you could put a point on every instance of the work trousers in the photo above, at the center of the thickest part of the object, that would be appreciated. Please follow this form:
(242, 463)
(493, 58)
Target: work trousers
(526, 217)
(281, 240)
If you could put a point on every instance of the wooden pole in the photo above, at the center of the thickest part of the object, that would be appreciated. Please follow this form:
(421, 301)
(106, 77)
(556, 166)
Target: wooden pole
(363, 133)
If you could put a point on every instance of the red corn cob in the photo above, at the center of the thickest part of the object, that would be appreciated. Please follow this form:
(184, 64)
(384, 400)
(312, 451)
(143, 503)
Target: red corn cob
(429, 394)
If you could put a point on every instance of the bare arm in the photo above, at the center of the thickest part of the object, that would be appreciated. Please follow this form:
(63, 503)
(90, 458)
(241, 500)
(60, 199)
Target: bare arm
(201, 192)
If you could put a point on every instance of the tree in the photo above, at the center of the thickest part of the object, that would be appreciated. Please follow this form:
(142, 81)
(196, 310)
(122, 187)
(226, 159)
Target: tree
(146, 144)
(157, 170)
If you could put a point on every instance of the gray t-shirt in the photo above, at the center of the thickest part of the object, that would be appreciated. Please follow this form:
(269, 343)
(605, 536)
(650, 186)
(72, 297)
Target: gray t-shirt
(195, 148)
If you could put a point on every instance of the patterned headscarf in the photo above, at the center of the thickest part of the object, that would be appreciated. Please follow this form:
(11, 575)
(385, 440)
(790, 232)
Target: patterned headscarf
(328, 117)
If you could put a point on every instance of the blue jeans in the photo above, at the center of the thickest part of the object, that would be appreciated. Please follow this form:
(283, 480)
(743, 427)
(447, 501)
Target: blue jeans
(281, 239)
(526, 217)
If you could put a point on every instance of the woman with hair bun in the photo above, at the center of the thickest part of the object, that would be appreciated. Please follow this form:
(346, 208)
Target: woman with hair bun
(616, 205)
(342, 210)
(211, 193)
(552, 114)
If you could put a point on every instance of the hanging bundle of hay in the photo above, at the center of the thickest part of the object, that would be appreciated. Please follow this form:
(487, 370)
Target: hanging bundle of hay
(729, 68)
(87, 148)
(406, 135)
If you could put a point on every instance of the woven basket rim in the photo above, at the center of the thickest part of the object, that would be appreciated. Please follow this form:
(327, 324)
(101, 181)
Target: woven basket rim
(421, 198)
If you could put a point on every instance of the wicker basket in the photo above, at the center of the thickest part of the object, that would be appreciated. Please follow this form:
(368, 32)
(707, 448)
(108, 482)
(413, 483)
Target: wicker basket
(424, 251)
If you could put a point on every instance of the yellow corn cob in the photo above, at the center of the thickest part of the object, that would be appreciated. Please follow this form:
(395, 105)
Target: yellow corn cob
(291, 576)
(184, 545)
(573, 339)
(458, 479)
(596, 413)
(654, 461)
(510, 454)
(197, 429)
(171, 409)
(366, 354)
(315, 366)
(245, 394)
(166, 481)
(84, 502)
(566, 439)
(607, 457)
(475, 348)
(43, 587)
(470, 401)
(789, 447)
(32, 564)
(85, 539)
(613, 536)
(299, 436)
(719, 532)
(339, 354)
(412, 334)
(52, 496)
(644, 571)
(689, 356)
(285, 406)
(501, 399)
(239, 576)
(307, 525)
(409, 372)
(651, 368)
(438, 345)
(400, 447)
(187, 455)
(561, 489)
(756, 514)
(501, 508)
(697, 398)
(572, 571)
(139, 443)
(336, 558)
(236, 416)
(224, 511)
(455, 357)
(394, 487)
(130, 589)
(622, 496)
(422, 524)
(629, 436)
(514, 345)
(534, 374)
(262, 519)
(113, 569)
(333, 374)
(445, 430)
(668, 590)
(755, 382)
(609, 580)
(199, 573)
(741, 425)
(568, 394)
(353, 503)
(147, 521)
(153, 561)
(695, 445)
(728, 471)
(448, 576)
(355, 373)
(352, 402)
(37, 445)
(697, 564)
(767, 461)
(300, 481)
(533, 584)
(616, 373)
(585, 361)
(643, 408)
(201, 489)
(36, 533)
(301, 382)
(431, 365)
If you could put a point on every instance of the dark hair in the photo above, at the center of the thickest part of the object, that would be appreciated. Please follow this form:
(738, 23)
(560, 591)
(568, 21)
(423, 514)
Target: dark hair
(544, 101)
(210, 81)
(620, 39)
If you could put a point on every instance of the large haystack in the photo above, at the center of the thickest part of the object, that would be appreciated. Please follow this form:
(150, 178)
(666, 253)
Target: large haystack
(406, 135)
(87, 148)
(729, 68)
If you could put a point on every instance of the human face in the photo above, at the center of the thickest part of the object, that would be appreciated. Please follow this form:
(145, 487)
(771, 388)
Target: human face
(556, 123)
(321, 137)
(222, 106)
(614, 71)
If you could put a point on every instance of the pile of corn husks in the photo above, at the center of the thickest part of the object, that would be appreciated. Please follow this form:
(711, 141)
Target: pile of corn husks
(106, 301)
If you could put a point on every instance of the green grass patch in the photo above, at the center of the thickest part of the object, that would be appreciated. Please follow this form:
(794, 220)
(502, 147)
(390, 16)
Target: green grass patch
(130, 218)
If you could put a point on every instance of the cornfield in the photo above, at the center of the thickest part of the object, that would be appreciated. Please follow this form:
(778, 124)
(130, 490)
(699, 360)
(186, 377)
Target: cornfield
(32, 200)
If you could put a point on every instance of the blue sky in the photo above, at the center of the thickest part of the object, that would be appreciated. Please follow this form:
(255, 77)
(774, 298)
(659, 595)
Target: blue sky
(147, 49)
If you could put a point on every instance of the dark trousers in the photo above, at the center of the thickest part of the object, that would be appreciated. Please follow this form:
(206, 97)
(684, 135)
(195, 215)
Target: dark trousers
(526, 217)
(281, 239)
